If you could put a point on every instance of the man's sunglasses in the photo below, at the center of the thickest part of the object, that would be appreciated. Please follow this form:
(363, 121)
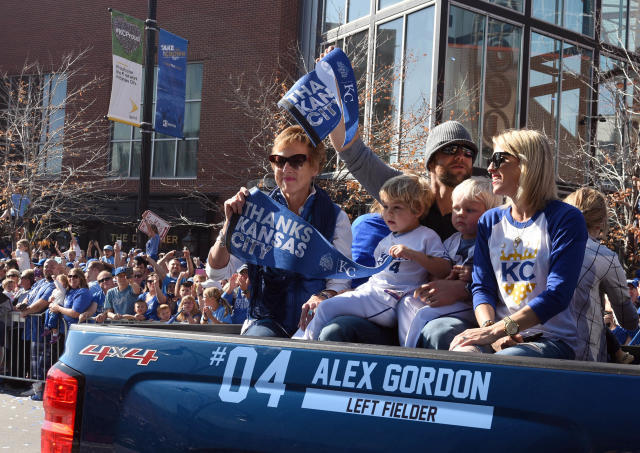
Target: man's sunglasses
(105, 279)
(74, 276)
(295, 161)
(453, 150)
(498, 159)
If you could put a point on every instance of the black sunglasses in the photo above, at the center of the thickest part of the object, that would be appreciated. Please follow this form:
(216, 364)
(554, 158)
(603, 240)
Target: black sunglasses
(451, 150)
(295, 161)
(74, 276)
(137, 275)
(104, 279)
(499, 158)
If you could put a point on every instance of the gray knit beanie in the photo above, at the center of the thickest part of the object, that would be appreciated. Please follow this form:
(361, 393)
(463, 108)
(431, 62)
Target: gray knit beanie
(448, 133)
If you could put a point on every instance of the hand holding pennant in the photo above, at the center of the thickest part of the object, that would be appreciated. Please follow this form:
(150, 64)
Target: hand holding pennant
(321, 98)
(268, 233)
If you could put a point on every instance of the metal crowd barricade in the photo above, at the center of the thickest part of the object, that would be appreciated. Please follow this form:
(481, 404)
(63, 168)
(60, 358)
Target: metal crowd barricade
(16, 352)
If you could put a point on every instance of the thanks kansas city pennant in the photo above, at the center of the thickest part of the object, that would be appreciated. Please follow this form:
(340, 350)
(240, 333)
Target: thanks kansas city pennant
(268, 233)
(322, 97)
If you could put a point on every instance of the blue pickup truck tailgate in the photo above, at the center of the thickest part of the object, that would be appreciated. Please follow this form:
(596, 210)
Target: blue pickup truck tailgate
(153, 390)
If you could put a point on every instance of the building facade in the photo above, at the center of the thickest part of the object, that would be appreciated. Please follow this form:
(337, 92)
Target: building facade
(226, 41)
(494, 64)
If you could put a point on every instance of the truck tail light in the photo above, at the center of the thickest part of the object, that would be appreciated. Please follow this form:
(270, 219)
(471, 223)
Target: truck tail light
(60, 400)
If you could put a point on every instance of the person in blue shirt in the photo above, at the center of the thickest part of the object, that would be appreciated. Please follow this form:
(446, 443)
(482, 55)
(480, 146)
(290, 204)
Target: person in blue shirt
(121, 299)
(77, 300)
(108, 255)
(153, 243)
(528, 256)
(215, 310)
(38, 301)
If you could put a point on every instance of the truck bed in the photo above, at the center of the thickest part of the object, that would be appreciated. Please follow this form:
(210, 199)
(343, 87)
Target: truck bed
(205, 388)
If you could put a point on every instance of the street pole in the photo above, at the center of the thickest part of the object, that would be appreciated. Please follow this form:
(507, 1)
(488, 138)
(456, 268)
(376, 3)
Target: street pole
(147, 115)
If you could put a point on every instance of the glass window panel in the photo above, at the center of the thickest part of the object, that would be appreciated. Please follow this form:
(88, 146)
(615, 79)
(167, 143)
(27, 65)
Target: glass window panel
(186, 166)
(574, 107)
(614, 22)
(358, 9)
(543, 84)
(54, 159)
(633, 44)
(416, 99)
(578, 16)
(463, 69)
(502, 75)
(164, 155)
(136, 148)
(385, 3)
(120, 158)
(137, 135)
(513, 4)
(192, 119)
(334, 14)
(194, 81)
(356, 48)
(386, 80)
(547, 10)
(120, 131)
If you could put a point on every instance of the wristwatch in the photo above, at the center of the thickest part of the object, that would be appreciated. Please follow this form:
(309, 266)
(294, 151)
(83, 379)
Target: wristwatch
(324, 294)
(510, 326)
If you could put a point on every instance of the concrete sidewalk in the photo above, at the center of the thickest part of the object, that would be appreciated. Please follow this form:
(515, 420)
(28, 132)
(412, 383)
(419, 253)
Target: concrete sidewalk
(20, 420)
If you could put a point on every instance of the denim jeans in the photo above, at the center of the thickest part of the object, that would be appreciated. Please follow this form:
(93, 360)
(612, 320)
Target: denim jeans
(439, 333)
(352, 329)
(550, 349)
(265, 328)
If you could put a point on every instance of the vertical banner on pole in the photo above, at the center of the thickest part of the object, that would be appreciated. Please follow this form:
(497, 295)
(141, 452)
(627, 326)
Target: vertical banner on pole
(126, 89)
(172, 83)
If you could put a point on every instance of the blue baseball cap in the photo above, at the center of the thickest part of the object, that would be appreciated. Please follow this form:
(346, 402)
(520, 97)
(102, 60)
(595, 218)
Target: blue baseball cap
(119, 270)
(633, 282)
(70, 265)
(108, 247)
(41, 262)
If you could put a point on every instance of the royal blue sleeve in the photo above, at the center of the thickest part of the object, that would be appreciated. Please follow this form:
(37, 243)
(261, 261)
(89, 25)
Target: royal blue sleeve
(484, 287)
(568, 234)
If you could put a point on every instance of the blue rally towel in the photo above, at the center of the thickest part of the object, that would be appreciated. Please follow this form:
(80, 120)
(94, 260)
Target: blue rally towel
(268, 233)
(321, 98)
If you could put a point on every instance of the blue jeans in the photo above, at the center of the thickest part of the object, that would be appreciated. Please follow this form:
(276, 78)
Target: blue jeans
(266, 328)
(550, 349)
(439, 333)
(352, 329)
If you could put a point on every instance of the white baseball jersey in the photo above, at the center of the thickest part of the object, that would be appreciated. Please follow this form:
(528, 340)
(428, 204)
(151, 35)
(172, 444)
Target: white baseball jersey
(403, 275)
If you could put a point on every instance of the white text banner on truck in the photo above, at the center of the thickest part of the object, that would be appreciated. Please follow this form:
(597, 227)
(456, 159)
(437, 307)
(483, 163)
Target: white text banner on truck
(442, 412)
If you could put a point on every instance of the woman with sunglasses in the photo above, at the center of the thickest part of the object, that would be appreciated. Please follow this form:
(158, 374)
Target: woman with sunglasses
(277, 296)
(528, 257)
(77, 300)
(153, 296)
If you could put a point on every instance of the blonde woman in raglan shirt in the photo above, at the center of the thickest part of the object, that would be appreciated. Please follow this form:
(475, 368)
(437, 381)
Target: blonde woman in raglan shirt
(528, 257)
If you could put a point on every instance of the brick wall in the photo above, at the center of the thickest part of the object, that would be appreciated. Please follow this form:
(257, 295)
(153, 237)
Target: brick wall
(228, 37)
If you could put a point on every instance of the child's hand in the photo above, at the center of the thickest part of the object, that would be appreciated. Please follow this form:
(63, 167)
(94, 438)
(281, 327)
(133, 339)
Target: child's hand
(460, 272)
(401, 251)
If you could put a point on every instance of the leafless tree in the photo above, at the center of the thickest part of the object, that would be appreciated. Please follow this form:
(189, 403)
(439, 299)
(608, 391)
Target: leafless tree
(612, 165)
(54, 148)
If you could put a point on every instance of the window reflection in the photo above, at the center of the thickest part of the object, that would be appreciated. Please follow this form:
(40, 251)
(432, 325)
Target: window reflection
(386, 83)
(543, 84)
(358, 9)
(334, 14)
(416, 93)
(384, 3)
(463, 69)
(574, 107)
(575, 15)
(501, 100)
(513, 4)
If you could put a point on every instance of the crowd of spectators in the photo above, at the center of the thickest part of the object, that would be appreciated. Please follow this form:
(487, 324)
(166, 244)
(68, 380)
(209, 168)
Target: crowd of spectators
(60, 288)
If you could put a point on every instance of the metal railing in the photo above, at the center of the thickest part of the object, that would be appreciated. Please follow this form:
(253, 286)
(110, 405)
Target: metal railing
(25, 353)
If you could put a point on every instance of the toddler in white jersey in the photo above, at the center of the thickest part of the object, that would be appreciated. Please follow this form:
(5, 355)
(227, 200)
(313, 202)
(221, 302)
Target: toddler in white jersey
(417, 251)
(470, 199)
